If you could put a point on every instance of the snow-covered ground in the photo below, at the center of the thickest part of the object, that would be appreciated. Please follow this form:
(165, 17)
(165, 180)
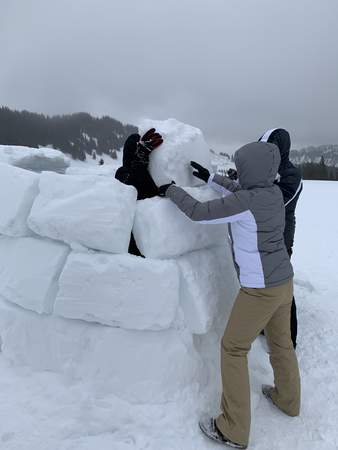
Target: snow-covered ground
(46, 411)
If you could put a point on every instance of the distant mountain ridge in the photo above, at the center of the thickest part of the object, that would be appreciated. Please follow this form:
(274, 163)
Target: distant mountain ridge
(314, 154)
(75, 134)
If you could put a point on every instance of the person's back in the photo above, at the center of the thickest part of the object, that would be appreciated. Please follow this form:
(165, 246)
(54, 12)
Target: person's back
(289, 181)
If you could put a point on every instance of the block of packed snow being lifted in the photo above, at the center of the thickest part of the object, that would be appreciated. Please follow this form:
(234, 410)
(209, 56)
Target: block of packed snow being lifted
(161, 230)
(119, 290)
(18, 190)
(29, 271)
(35, 159)
(90, 211)
(182, 143)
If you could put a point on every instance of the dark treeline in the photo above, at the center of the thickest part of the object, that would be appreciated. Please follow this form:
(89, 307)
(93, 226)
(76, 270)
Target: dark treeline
(76, 134)
(318, 171)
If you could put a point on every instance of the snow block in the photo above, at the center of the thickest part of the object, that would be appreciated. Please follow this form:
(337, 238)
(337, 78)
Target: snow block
(35, 159)
(119, 290)
(182, 143)
(90, 211)
(29, 271)
(18, 189)
(138, 366)
(208, 287)
(161, 230)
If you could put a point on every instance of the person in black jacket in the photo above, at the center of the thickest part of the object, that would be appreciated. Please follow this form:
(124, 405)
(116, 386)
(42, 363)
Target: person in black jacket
(134, 171)
(290, 183)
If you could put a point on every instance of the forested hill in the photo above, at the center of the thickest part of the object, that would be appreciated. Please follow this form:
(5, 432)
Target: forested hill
(315, 154)
(317, 163)
(76, 134)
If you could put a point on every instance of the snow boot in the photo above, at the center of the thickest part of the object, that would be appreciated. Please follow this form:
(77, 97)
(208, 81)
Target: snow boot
(208, 427)
(267, 391)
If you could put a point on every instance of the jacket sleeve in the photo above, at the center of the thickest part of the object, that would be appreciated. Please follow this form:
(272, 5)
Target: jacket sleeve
(140, 178)
(223, 184)
(123, 176)
(223, 210)
(290, 184)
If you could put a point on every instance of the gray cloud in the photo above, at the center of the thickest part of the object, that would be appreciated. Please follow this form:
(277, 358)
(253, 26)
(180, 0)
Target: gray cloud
(230, 67)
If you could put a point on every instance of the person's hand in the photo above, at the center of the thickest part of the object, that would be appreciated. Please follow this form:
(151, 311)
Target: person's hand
(232, 174)
(148, 142)
(162, 190)
(151, 139)
(200, 172)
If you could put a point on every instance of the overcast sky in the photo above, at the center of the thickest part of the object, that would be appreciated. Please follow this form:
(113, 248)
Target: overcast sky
(231, 67)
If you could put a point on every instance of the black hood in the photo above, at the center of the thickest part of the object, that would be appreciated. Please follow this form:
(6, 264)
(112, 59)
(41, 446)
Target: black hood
(281, 138)
(130, 149)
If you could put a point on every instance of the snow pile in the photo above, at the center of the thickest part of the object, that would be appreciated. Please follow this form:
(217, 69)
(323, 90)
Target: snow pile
(89, 211)
(182, 143)
(127, 323)
(35, 159)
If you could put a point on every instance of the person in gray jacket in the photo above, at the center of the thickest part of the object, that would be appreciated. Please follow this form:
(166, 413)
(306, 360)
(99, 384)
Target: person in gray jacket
(254, 208)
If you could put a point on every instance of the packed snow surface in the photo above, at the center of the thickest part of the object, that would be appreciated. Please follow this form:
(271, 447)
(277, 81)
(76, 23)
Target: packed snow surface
(18, 189)
(29, 271)
(119, 290)
(141, 366)
(182, 143)
(42, 410)
(89, 211)
(208, 280)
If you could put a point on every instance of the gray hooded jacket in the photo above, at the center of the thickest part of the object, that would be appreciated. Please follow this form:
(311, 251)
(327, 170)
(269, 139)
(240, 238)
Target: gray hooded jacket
(254, 209)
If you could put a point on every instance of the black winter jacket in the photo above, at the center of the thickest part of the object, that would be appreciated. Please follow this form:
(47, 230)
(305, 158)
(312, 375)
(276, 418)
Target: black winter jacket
(289, 181)
(135, 173)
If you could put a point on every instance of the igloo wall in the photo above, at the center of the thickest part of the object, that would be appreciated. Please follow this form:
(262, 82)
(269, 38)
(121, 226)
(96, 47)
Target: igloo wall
(74, 301)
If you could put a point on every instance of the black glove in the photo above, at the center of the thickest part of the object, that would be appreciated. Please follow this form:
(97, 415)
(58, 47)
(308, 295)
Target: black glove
(162, 190)
(148, 142)
(232, 174)
(201, 172)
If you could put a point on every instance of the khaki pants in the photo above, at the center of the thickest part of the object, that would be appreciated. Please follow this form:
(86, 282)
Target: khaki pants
(253, 311)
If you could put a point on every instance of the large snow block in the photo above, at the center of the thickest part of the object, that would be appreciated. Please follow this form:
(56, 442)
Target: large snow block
(89, 211)
(138, 366)
(18, 189)
(29, 271)
(119, 290)
(161, 230)
(208, 287)
(182, 143)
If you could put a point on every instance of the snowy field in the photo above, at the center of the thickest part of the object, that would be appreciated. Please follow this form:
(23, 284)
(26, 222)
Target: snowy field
(46, 411)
